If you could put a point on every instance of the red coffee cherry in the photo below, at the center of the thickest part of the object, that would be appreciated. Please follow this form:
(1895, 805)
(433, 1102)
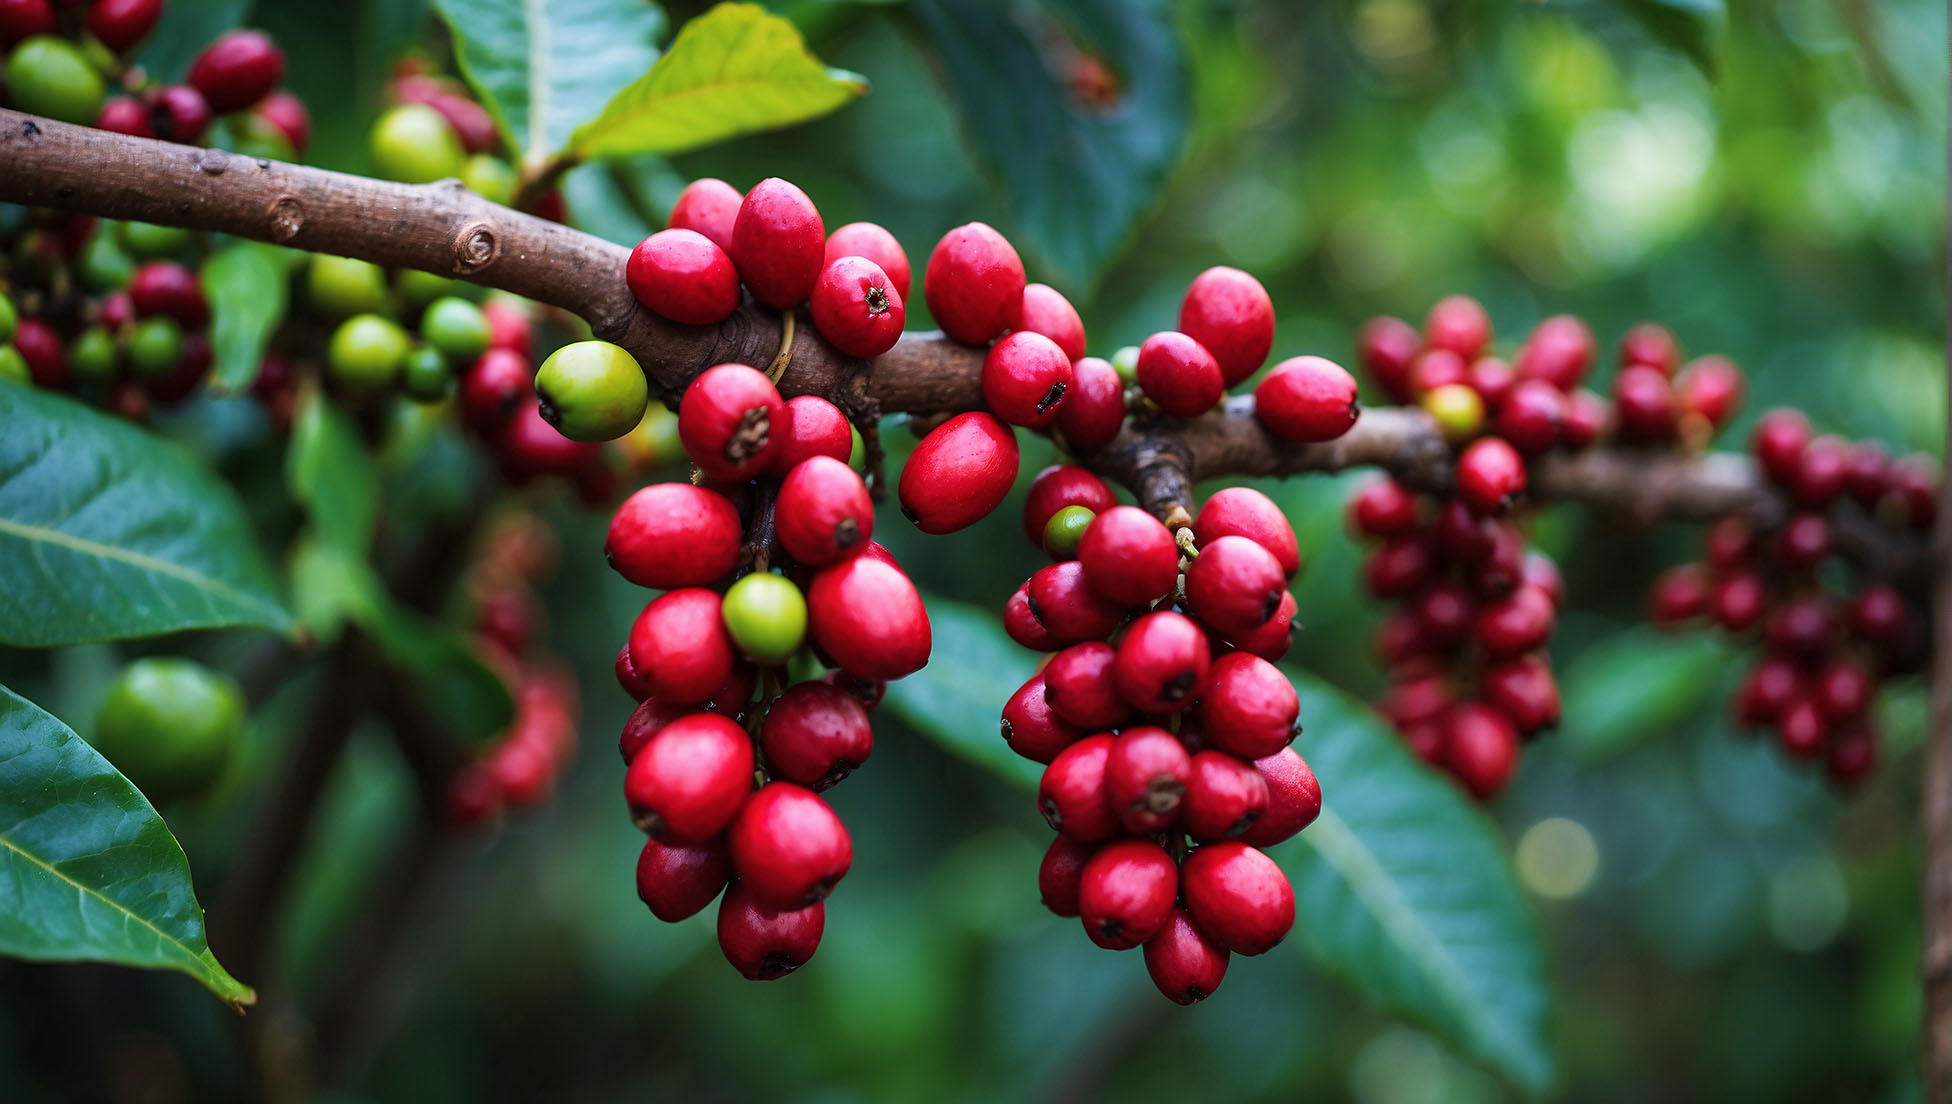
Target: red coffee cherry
(128, 115)
(1502, 567)
(778, 243)
(1161, 663)
(1853, 752)
(1382, 507)
(1444, 612)
(523, 772)
(766, 944)
(865, 239)
(1229, 313)
(1803, 543)
(1093, 410)
(816, 734)
(1730, 544)
(1032, 728)
(1912, 488)
(493, 387)
(529, 446)
(1710, 389)
(1822, 469)
(1524, 690)
(646, 721)
(1056, 487)
(1679, 595)
(1461, 534)
(789, 847)
(178, 113)
(1877, 614)
(823, 513)
(509, 326)
(1185, 964)
(1061, 871)
(287, 113)
(678, 882)
(1224, 797)
(1081, 688)
(1558, 352)
(710, 207)
(1179, 374)
(1490, 475)
(1438, 368)
(473, 796)
(1128, 556)
(1869, 473)
(974, 284)
(671, 535)
(1530, 416)
(237, 70)
(1246, 512)
(476, 128)
(1387, 347)
(689, 781)
(1071, 793)
(1585, 416)
(856, 307)
(1020, 621)
(1238, 897)
(1806, 625)
(632, 680)
(1025, 379)
(26, 18)
(167, 288)
(681, 275)
(1400, 566)
(1651, 344)
(680, 645)
(1769, 688)
(1272, 640)
(865, 615)
(1778, 441)
(1459, 324)
(1643, 400)
(1046, 311)
(725, 422)
(1062, 601)
(1492, 379)
(1737, 600)
(1480, 748)
(1294, 798)
(867, 691)
(1307, 399)
(1126, 893)
(1248, 708)
(1234, 585)
(1518, 623)
(1146, 772)
(810, 426)
(959, 473)
(1801, 728)
(1843, 689)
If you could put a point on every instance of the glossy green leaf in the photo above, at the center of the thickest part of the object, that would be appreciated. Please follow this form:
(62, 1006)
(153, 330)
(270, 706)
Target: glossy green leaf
(1078, 173)
(734, 70)
(1694, 27)
(957, 699)
(245, 284)
(543, 68)
(1403, 889)
(331, 473)
(108, 532)
(1636, 684)
(88, 871)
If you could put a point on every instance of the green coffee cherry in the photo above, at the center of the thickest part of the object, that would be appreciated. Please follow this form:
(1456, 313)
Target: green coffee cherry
(489, 177)
(13, 366)
(92, 356)
(766, 616)
(340, 287)
(48, 76)
(425, 376)
(419, 288)
(170, 725)
(148, 240)
(591, 391)
(366, 353)
(103, 264)
(456, 329)
(155, 347)
(1458, 410)
(1063, 531)
(9, 319)
(1126, 363)
(259, 138)
(413, 144)
(654, 443)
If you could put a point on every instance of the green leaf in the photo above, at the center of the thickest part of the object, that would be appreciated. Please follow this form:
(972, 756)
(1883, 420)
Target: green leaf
(88, 871)
(245, 283)
(958, 698)
(330, 472)
(108, 532)
(1637, 683)
(1694, 27)
(734, 70)
(1403, 889)
(543, 68)
(1077, 175)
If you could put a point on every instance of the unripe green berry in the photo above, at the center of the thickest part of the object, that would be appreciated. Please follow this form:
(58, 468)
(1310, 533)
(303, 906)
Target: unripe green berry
(147, 240)
(456, 329)
(766, 616)
(654, 442)
(425, 376)
(591, 391)
(49, 76)
(419, 288)
(1063, 531)
(413, 144)
(9, 319)
(260, 138)
(489, 177)
(155, 346)
(169, 725)
(103, 264)
(13, 366)
(1126, 363)
(340, 287)
(92, 356)
(366, 353)
(1458, 410)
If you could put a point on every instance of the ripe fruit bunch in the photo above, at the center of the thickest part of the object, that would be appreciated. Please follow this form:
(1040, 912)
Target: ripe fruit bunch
(1163, 723)
(433, 129)
(769, 572)
(1465, 648)
(1824, 652)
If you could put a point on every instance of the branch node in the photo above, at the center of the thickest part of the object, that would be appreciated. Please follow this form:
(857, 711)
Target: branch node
(475, 248)
(284, 218)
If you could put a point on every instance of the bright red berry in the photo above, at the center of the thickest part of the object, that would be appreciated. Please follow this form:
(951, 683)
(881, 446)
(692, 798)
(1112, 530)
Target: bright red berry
(509, 326)
(1558, 352)
(1238, 896)
(1524, 690)
(1490, 475)
(1061, 871)
(287, 113)
(1071, 793)
(1709, 388)
(1737, 600)
(670, 535)
(493, 387)
(1801, 728)
(1644, 402)
(1530, 416)
(178, 113)
(1480, 748)
(1126, 893)
(1386, 348)
(123, 115)
(1224, 797)
(678, 881)
(1248, 708)
(1229, 313)
(1272, 640)
(974, 284)
(1161, 662)
(788, 846)
(689, 781)
(681, 275)
(1492, 379)
(1778, 441)
(1025, 379)
(1032, 728)
(1094, 409)
(1046, 311)
(865, 239)
(1246, 512)
(1822, 470)
(1382, 507)
(959, 473)
(1081, 688)
(816, 734)
(1294, 798)
(1183, 962)
(1584, 418)
(1064, 602)
(1518, 623)
(766, 944)
(632, 680)
(709, 206)
(1146, 771)
(1651, 344)
(1179, 374)
(1020, 621)
(237, 70)
(680, 645)
(856, 307)
(1128, 556)
(823, 513)
(1458, 324)
(778, 243)
(725, 422)
(865, 615)
(1307, 399)
(1235, 585)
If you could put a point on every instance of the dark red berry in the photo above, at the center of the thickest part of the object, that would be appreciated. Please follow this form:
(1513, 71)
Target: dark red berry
(1801, 728)
(1056, 487)
(815, 734)
(1185, 964)
(1229, 314)
(1530, 416)
(1146, 771)
(1768, 689)
(855, 306)
(237, 70)
(1094, 409)
(1802, 543)
(725, 422)
(287, 113)
(1737, 600)
(1294, 798)
(1246, 512)
(1063, 602)
(1400, 566)
(1025, 379)
(1021, 623)
(959, 473)
(778, 243)
(1651, 344)
(1386, 348)
(859, 239)
(1128, 556)
(689, 781)
(1238, 896)
(867, 691)
(865, 615)
(1730, 544)
(1912, 490)
(1806, 625)
(1558, 352)
(529, 446)
(1072, 795)
(178, 113)
(1248, 708)
(1643, 401)
(1869, 469)
(681, 275)
(1032, 728)
(1061, 871)
(1877, 614)
(1307, 399)
(671, 535)
(974, 284)
(128, 115)
(1224, 797)
(823, 513)
(1518, 623)
(631, 679)
(26, 18)
(1046, 311)
(1778, 441)
(1458, 324)
(1179, 374)
(1234, 585)
(788, 846)
(1822, 469)
(1679, 595)
(810, 426)
(1843, 689)
(1853, 752)
(1490, 475)
(1583, 420)
(766, 944)
(1444, 612)
(1126, 893)
(1272, 640)
(1382, 507)
(1081, 688)
(1492, 379)
(1480, 748)
(677, 881)
(1710, 389)
(167, 288)
(1524, 690)
(1161, 662)
(493, 388)
(711, 207)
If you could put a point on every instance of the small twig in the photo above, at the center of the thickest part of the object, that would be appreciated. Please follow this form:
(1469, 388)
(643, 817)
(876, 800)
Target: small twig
(785, 355)
(538, 180)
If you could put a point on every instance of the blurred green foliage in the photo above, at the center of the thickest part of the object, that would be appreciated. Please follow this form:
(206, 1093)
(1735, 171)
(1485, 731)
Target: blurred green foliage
(1743, 935)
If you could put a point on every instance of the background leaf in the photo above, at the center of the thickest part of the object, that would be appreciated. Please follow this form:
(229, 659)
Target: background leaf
(1694, 27)
(543, 68)
(734, 70)
(1402, 888)
(1077, 175)
(90, 871)
(106, 532)
(330, 472)
(245, 284)
(1635, 685)
(958, 698)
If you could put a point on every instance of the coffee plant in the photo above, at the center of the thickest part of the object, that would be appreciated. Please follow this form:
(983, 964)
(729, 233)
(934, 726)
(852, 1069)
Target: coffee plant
(332, 498)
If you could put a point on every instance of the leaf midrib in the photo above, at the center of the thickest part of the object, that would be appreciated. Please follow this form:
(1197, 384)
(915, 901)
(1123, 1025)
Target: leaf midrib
(143, 561)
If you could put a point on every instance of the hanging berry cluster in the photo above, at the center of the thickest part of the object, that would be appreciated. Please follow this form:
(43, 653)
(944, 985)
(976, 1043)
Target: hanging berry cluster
(1825, 648)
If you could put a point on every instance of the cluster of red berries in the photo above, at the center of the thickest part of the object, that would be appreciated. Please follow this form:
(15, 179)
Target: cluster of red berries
(1824, 653)
(737, 808)
(1162, 722)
